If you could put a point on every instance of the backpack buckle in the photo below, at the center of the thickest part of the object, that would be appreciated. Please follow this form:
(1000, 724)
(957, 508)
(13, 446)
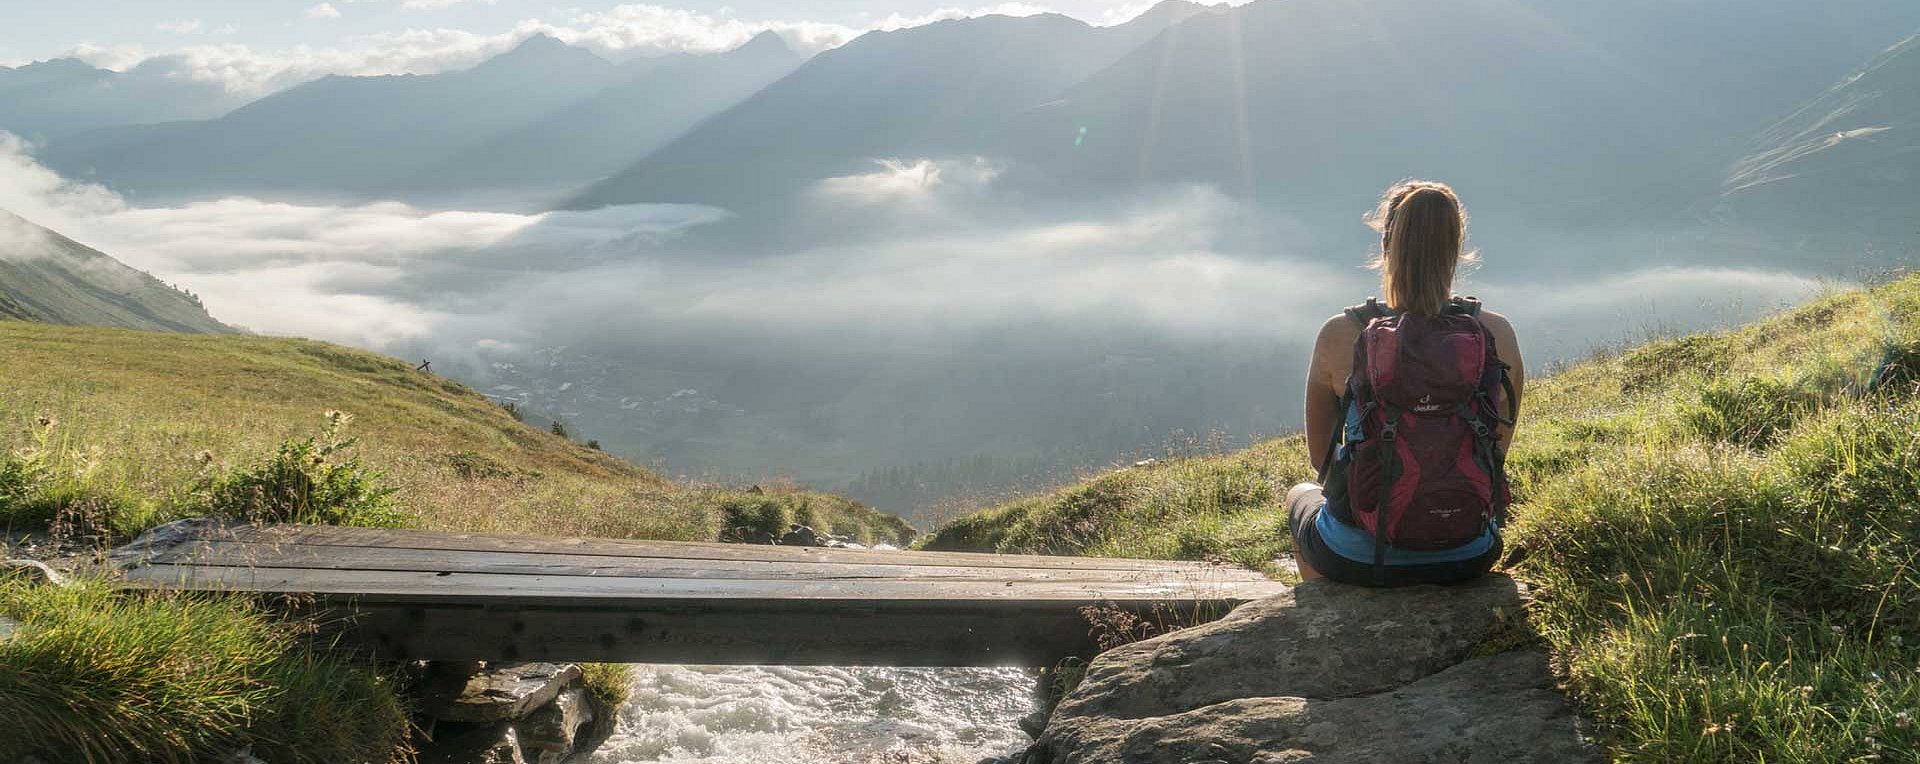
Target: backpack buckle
(1387, 433)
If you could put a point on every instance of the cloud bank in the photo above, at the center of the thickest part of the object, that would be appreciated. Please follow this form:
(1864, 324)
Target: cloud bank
(620, 32)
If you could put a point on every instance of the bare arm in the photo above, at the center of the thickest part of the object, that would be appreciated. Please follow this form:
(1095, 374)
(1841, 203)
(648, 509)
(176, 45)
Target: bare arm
(1507, 343)
(1326, 375)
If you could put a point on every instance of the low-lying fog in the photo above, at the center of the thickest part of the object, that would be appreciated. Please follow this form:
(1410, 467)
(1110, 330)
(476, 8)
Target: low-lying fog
(918, 314)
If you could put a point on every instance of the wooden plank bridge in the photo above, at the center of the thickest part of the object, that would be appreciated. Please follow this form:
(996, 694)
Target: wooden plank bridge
(426, 595)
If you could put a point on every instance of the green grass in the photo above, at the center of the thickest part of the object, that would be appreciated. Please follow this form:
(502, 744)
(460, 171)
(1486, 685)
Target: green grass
(94, 675)
(122, 430)
(1721, 530)
(1203, 508)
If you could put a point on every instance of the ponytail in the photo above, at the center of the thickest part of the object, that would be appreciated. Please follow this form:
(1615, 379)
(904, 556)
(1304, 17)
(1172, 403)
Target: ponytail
(1422, 230)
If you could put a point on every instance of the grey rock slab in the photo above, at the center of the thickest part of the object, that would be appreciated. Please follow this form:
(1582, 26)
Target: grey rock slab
(500, 692)
(1318, 640)
(1502, 709)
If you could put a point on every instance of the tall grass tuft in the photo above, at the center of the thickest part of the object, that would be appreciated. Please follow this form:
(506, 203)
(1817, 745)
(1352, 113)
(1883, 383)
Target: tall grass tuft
(94, 675)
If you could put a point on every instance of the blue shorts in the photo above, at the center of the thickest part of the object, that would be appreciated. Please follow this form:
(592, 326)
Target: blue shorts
(1307, 514)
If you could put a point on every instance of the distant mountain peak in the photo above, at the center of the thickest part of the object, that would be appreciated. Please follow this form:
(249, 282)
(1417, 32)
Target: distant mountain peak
(1168, 13)
(765, 42)
(545, 49)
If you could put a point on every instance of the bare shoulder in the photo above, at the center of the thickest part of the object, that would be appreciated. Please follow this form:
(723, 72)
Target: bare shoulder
(1337, 335)
(1503, 333)
(1496, 322)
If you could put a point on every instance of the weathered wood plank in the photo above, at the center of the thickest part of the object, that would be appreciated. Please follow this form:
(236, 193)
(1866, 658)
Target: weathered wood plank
(378, 585)
(688, 550)
(450, 596)
(243, 554)
(811, 633)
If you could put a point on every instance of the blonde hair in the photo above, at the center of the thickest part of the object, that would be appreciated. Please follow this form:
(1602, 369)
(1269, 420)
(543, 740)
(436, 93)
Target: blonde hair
(1422, 229)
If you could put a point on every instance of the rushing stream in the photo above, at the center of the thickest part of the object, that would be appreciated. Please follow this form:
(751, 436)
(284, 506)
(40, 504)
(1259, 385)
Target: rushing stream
(819, 715)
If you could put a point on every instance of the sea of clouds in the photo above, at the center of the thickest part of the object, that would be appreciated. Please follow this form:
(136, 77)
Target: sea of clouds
(914, 249)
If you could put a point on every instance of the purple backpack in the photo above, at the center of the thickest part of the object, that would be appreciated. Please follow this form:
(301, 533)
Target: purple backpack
(1416, 463)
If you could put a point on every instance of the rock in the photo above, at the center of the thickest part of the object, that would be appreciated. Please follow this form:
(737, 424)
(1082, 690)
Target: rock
(500, 692)
(34, 570)
(1328, 674)
(800, 535)
(163, 537)
(552, 732)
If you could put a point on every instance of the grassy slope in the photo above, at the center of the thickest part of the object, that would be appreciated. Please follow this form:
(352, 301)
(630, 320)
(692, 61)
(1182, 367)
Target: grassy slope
(121, 430)
(138, 414)
(59, 280)
(1721, 529)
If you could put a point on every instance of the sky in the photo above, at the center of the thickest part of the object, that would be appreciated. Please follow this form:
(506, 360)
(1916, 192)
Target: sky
(260, 45)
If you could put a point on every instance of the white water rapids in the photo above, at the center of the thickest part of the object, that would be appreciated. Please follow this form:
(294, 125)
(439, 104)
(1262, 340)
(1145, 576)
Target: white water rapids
(819, 715)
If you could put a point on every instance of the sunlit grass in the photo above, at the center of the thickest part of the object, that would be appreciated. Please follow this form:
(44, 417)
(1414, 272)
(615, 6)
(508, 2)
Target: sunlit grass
(95, 675)
(126, 428)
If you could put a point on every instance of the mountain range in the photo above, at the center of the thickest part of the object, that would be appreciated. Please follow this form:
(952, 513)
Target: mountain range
(1839, 171)
(60, 97)
(1314, 105)
(1557, 108)
(50, 278)
(542, 113)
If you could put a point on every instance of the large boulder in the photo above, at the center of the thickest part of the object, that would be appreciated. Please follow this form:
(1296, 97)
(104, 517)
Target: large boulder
(554, 731)
(1326, 673)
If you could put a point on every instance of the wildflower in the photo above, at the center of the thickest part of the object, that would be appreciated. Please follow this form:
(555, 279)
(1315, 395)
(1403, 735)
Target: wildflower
(1903, 720)
(1836, 629)
(45, 421)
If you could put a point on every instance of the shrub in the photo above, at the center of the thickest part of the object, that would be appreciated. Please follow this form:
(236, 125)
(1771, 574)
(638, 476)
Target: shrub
(749, 515)
(22, 476)
(309, 480)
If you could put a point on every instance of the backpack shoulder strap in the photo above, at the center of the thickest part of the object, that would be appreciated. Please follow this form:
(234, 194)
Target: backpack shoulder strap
(1365, 313)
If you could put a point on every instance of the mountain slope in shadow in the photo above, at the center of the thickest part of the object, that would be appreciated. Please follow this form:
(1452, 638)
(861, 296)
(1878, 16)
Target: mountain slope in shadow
(50, 278)
(923, 91)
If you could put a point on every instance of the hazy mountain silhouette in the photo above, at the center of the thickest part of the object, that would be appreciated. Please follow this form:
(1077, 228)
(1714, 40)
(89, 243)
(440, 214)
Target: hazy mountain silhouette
(49, 99)
(1554, 105)
(1549, 106)
(1838, 172)
(48, 277)
(928, 90)
(360, 136)
(659, 99)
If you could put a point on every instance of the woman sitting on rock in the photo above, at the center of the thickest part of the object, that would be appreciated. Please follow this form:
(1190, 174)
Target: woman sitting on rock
(1411, 403)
